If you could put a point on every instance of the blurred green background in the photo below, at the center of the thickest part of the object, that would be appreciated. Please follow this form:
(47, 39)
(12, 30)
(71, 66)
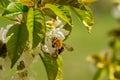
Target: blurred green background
(75, 65)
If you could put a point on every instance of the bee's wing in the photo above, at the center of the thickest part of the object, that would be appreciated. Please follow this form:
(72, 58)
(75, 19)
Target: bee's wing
(67, 47)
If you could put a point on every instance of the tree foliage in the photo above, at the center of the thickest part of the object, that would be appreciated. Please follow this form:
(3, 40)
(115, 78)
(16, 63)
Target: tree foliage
(35, 24)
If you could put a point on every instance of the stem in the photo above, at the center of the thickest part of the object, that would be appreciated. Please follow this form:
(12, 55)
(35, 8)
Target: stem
(99, 74)
(24, 17)
(110, 71)
(115, 49)
(114, 55)
(19, 18)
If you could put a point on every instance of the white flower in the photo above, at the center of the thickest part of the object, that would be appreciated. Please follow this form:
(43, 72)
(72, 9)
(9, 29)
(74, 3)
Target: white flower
(57, 31)
(3, 32)
(116, 11)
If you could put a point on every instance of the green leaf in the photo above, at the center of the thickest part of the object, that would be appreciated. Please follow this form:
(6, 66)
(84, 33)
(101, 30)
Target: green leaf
(49, 13)
(15, 8)
(53, 67)
(72, 3)
(4, 3)
(17, 37)
(60, 12)
(1, 10)
(88, 1)
(68, 28)
(36, 27)
(67, 12)
(60, 71)
(5, 21)
(99, 74)
(84, 14)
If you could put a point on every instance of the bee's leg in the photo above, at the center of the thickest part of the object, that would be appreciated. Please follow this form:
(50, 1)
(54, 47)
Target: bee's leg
(53, 45)
(60, 50)
(55, 56)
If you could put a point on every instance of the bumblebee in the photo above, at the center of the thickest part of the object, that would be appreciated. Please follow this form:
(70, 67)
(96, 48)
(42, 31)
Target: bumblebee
(60, 46)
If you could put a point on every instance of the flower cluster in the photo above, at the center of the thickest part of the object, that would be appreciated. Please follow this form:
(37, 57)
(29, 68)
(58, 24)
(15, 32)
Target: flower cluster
(55, 29)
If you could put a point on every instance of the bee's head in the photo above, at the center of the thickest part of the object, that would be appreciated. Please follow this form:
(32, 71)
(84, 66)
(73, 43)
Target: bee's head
(53, 39)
